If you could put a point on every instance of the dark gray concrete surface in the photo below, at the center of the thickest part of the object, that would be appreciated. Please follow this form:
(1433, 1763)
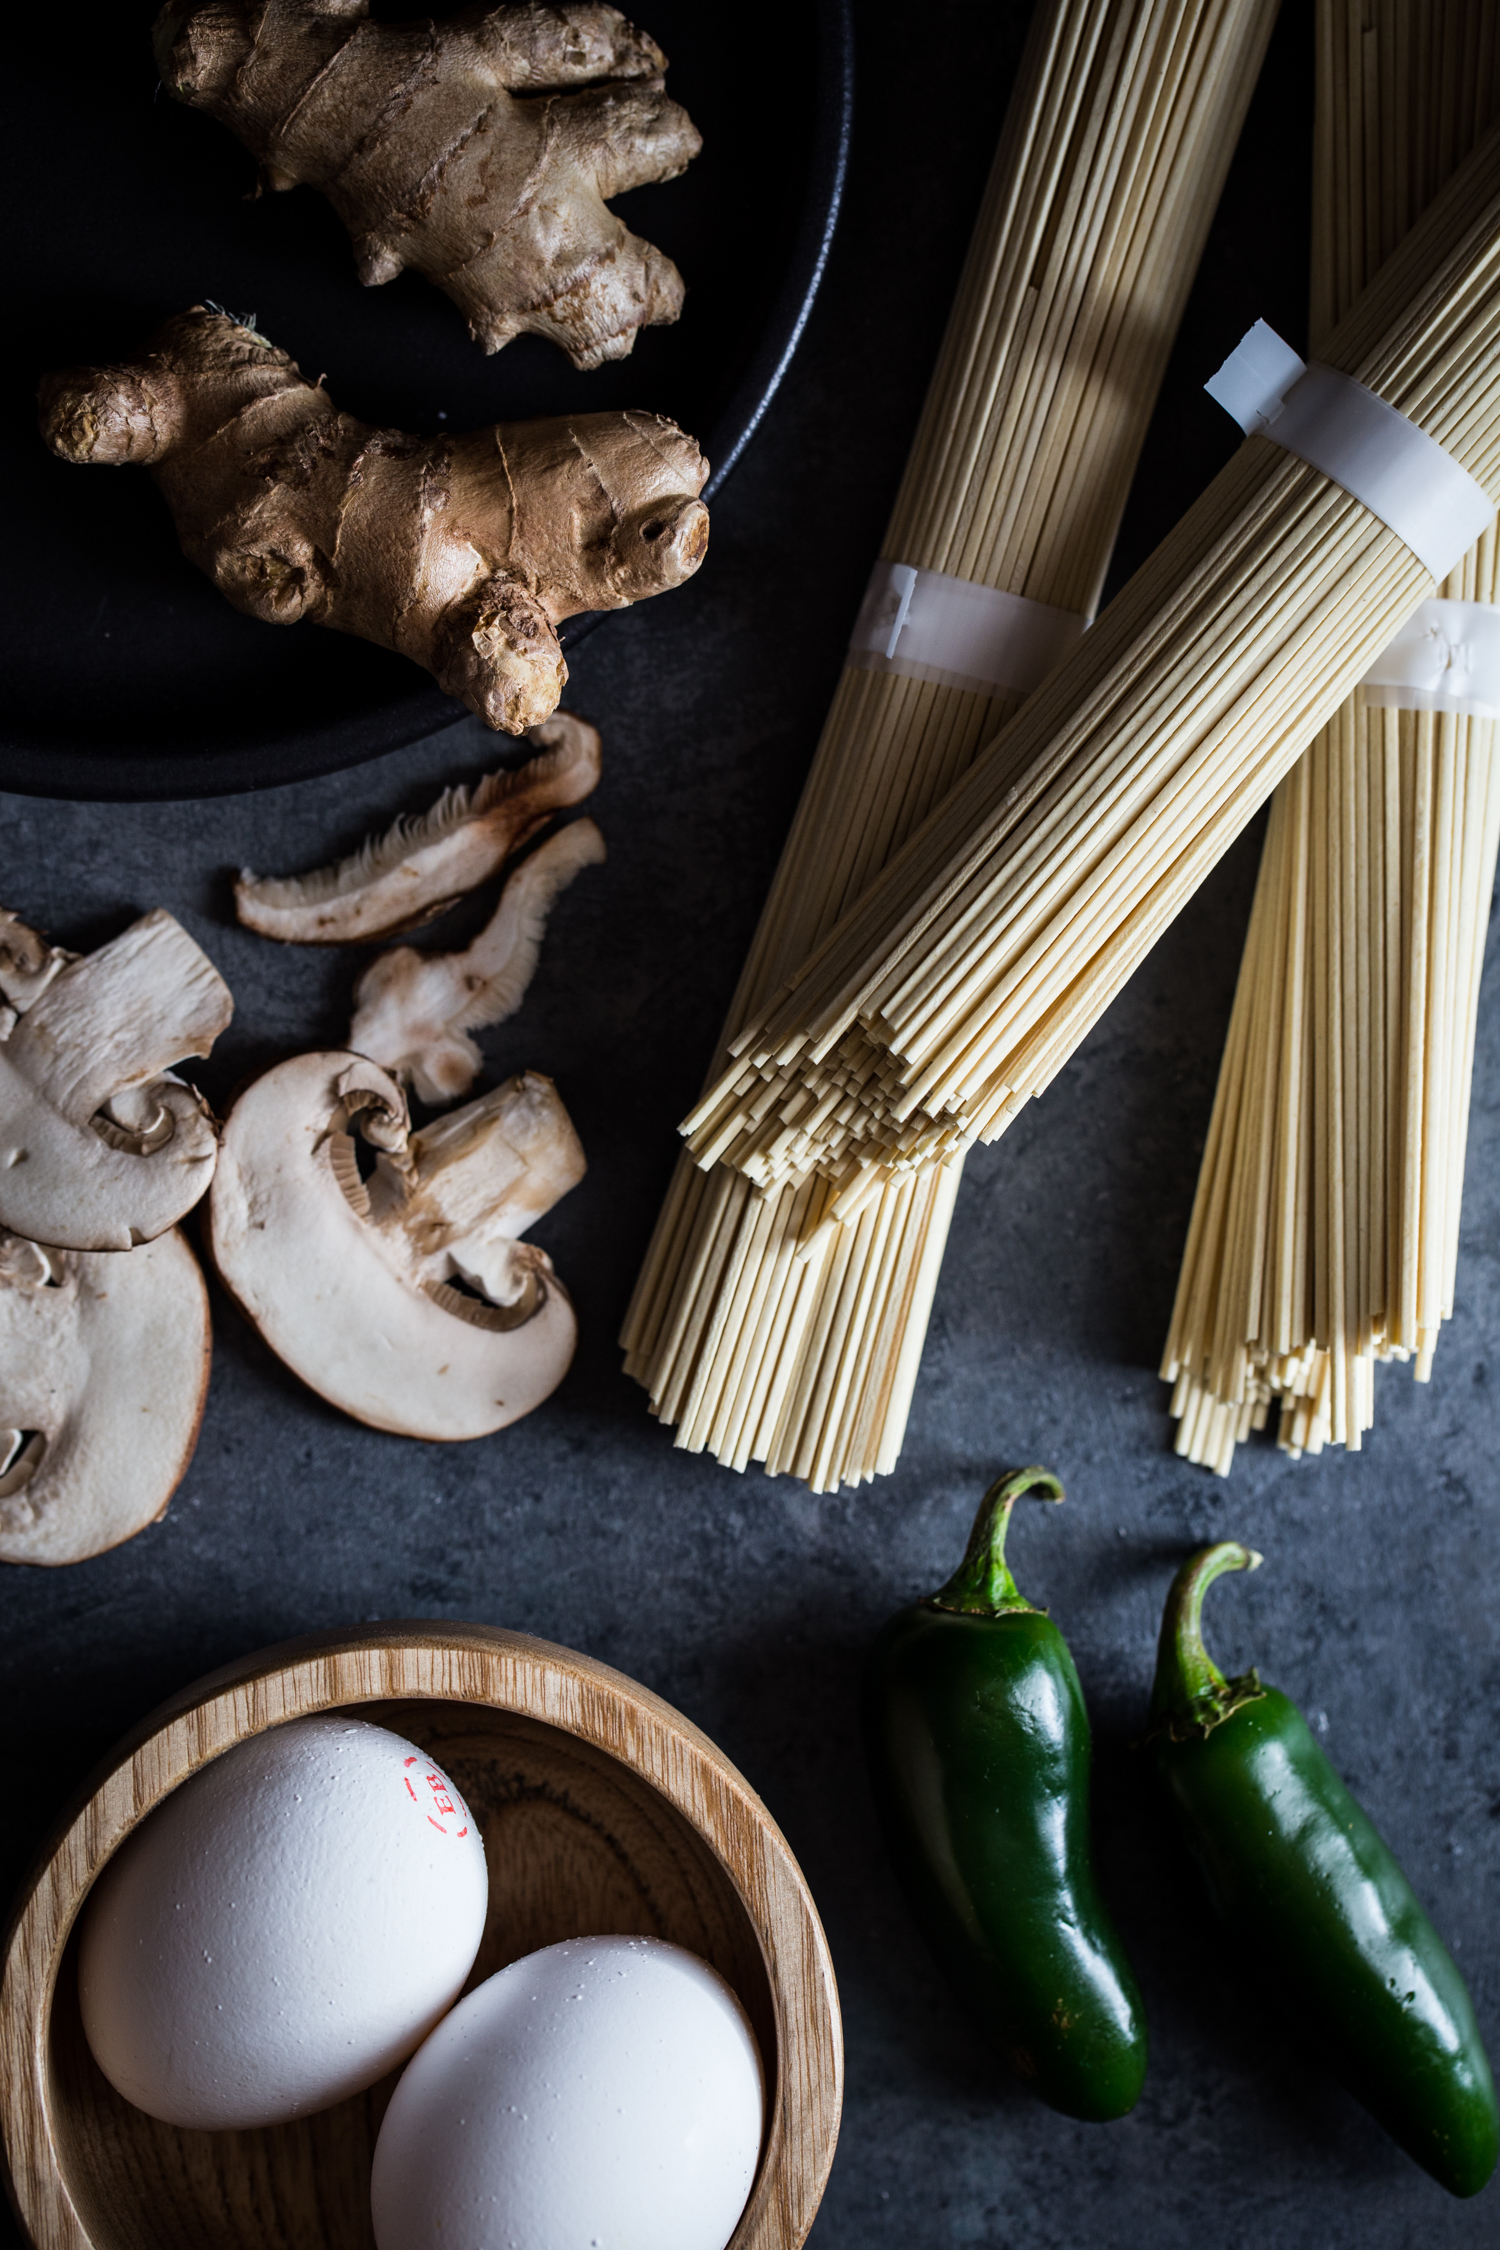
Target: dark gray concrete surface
(747, 1602)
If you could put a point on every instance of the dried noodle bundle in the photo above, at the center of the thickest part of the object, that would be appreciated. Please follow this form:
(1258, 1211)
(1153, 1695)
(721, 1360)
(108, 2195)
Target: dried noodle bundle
(760, 1333)
(1324, 1234)
(990, 946)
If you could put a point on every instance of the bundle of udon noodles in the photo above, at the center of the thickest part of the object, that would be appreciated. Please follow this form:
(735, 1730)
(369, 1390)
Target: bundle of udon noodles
(973, 966)
(761, 1333)
(1324, 1234)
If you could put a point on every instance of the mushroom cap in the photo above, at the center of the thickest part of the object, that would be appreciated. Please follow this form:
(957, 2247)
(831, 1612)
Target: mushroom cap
(63, 1183)
(103, 1370)
(363, 1309)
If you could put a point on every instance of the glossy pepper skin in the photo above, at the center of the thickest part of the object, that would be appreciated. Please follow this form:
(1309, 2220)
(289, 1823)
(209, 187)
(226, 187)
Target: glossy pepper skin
(1314, 1899)
(978, 1749)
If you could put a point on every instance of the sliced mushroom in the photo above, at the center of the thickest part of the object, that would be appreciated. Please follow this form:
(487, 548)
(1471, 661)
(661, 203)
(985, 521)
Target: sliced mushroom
(100, 1145)
(401, 1295)
(103, 1370)
(413, 1011)
(418, 868)
(27, 965)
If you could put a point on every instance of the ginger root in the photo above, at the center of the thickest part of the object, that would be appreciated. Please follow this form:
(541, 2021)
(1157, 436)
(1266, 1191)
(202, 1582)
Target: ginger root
(458, 148)
(464, 553)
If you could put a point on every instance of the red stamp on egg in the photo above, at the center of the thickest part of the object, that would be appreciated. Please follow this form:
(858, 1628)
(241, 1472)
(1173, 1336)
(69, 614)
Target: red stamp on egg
(432, 1791)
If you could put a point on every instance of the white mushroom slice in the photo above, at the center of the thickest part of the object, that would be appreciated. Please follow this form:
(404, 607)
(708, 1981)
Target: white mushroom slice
(100, 1146)
(103, 1370)
(418, 868)
(359, 1283)
(27, 962)
(412, 1010)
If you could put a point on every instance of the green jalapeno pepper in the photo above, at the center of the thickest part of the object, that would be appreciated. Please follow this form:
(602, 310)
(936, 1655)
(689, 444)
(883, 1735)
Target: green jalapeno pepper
(1315, 1899)
(978, 1749)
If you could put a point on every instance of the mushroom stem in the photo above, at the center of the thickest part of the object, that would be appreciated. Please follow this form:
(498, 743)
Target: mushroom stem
(27, 962)
(477, 1179)
(113, 1019)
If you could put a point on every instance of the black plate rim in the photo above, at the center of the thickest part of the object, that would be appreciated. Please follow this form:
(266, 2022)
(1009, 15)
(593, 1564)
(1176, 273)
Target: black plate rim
(85, 773)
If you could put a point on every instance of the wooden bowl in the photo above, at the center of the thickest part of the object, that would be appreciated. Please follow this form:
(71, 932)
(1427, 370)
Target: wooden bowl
(603, 1811)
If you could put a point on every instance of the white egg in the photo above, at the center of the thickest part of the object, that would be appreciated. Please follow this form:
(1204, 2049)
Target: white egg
(604, 2094)
(284, 1929)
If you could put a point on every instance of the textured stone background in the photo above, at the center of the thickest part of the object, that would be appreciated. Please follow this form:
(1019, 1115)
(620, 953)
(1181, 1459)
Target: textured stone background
(747, 1602)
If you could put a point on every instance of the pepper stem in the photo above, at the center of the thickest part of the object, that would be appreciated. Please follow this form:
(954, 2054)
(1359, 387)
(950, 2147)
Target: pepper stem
(982, 1584)
(1190, 1694)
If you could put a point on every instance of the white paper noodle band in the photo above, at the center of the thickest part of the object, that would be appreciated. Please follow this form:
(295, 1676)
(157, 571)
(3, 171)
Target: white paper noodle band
(1445, 658)
(1339, 426)
(928, 626)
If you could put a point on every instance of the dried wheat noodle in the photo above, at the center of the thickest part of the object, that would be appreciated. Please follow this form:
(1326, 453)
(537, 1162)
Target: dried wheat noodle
(1324, 1233)
(761, 1332)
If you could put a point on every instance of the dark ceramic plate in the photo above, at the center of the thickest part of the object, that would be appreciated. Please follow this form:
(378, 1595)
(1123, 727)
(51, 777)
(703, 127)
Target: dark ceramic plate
(125, 674)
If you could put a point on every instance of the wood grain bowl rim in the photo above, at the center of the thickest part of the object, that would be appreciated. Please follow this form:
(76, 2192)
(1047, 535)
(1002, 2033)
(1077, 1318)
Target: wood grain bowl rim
(428, 1660)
